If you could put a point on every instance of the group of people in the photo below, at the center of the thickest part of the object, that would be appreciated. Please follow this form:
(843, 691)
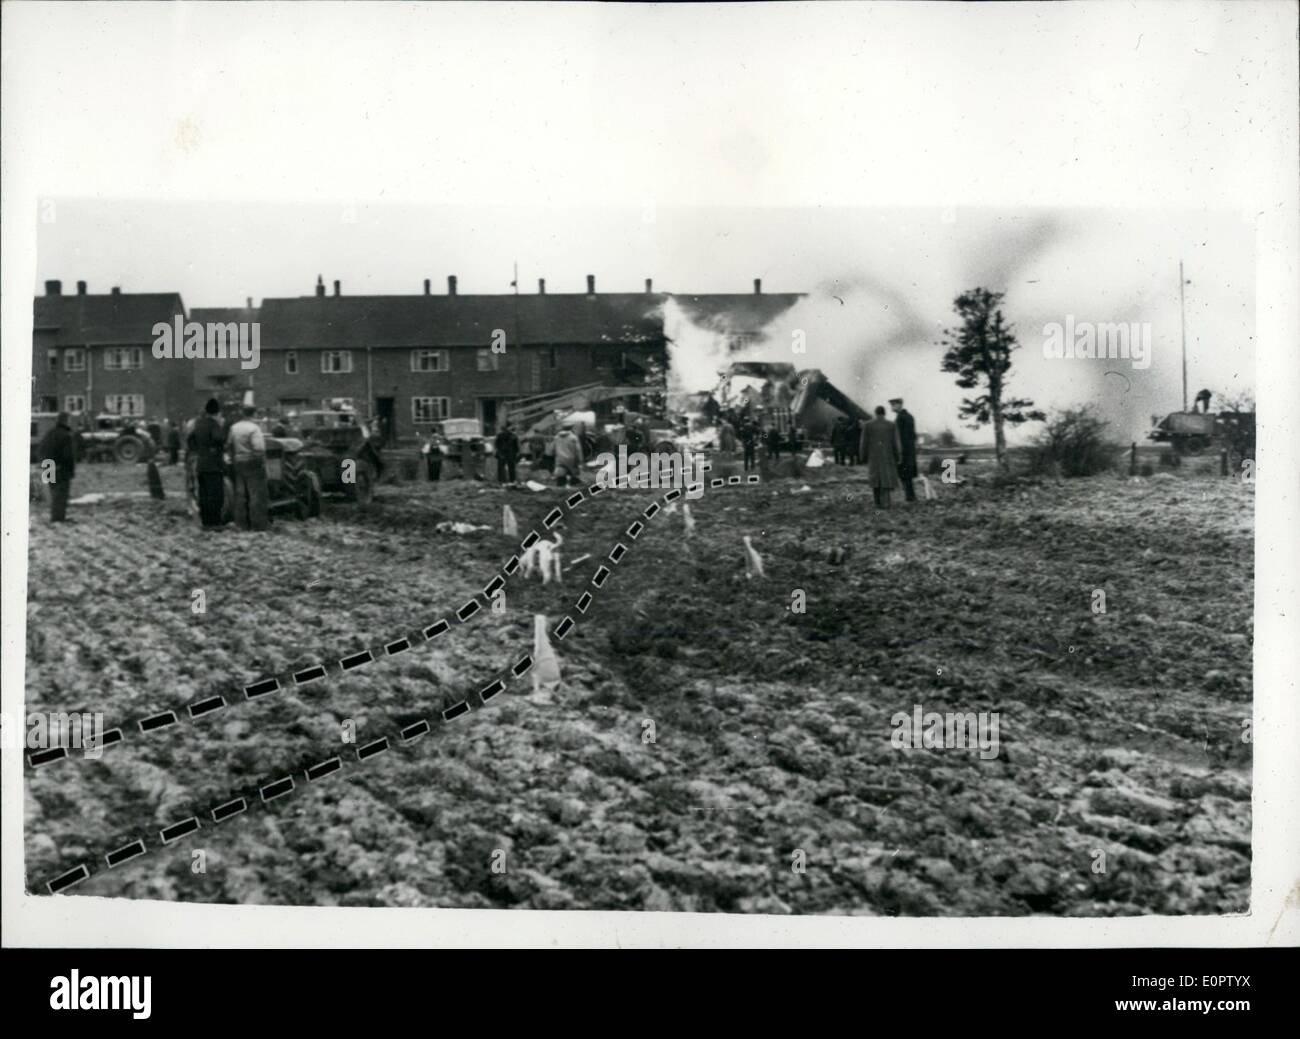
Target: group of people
(752, 436)
(210, 442)
(889, 449)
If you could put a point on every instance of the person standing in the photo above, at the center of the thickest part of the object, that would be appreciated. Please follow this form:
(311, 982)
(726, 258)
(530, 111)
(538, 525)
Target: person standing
(839, 432)
(173, 443)
(748, 438)
(568, 457)
(507, 452)
(853, 442)
(248, 453)
(881, 450)
(59, 447)
(432, 451)
(772, 441)
(906, 426)
(207, 443)
(726, 438)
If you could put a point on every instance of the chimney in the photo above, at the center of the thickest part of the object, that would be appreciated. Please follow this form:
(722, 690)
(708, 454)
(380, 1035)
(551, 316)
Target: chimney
(541, 286)
(591, 284)
(81, 288)
(116, 290)
(336, 288)
(426, 286)
(451, 284)
(54, 288)
(248, 303)
(758, 286)
(649, 286)
(320, 285)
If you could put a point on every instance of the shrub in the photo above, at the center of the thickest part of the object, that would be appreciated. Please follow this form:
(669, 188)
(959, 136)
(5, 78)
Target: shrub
(1171, 459)
(1146, 469)
(946, 439)
(1074, 443)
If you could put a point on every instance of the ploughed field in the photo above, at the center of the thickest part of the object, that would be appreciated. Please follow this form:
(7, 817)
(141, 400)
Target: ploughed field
(1121, 782)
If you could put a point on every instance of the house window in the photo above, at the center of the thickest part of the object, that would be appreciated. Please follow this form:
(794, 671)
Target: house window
(296, 403)
(124, 403)
(430, 409)
(338, 404)
(291, 362)
(430, 360)
(74, 360)
(336, 362)
(554, 357)
(123, 358)
(75, 404)
(49, 404)
(487, 360)
(52, 359)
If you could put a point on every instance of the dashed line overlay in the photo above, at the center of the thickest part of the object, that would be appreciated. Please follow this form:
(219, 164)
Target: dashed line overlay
(284, 785)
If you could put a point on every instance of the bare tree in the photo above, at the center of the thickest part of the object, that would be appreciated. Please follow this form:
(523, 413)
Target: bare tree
(979, 351)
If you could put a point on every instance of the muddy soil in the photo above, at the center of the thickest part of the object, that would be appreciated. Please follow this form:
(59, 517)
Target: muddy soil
(713, 747)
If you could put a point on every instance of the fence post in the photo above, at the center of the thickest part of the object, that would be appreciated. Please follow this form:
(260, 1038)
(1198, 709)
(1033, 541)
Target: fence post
(1223, 462)
(1133, 459)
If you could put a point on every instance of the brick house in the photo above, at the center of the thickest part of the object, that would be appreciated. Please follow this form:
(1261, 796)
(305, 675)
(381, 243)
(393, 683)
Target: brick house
(414, 360)
(93, 353)
(407, 360)
(213, 376)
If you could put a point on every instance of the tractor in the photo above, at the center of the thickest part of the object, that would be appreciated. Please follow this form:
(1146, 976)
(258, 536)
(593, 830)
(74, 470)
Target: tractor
(344, 460)
(292, 485)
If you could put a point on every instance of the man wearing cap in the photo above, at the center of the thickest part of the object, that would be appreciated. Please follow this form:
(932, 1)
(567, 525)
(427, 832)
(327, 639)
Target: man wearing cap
(207, 442)
(248, 453)
(59, 447)
(906, 427)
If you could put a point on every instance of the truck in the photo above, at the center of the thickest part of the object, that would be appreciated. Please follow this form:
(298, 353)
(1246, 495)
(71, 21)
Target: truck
(1192, 432)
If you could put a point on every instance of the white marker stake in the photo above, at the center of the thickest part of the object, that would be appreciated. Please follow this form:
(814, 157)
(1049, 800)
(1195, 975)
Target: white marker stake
(688, 521)
(509, 525)
(546, 666)
(753, 561)
(925, 486)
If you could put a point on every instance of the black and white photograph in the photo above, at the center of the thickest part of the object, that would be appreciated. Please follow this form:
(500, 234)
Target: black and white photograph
(754, 466)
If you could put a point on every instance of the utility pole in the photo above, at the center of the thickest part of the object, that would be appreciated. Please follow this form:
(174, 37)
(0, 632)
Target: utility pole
(1182, 324)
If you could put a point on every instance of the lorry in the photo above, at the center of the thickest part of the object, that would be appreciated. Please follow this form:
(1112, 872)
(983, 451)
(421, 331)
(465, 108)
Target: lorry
(1192, 432)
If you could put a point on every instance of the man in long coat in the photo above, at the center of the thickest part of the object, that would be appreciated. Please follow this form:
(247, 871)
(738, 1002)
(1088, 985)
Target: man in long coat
(207, 443)
(59, 446)
(881, 450)
(907, 444)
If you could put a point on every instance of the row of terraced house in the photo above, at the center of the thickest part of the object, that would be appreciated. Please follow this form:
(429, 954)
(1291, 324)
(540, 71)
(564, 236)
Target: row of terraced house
(408, 361)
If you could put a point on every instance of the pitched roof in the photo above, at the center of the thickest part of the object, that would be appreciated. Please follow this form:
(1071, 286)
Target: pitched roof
(210, 373)
(126, 317)
(736, 312)
(340, 322)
